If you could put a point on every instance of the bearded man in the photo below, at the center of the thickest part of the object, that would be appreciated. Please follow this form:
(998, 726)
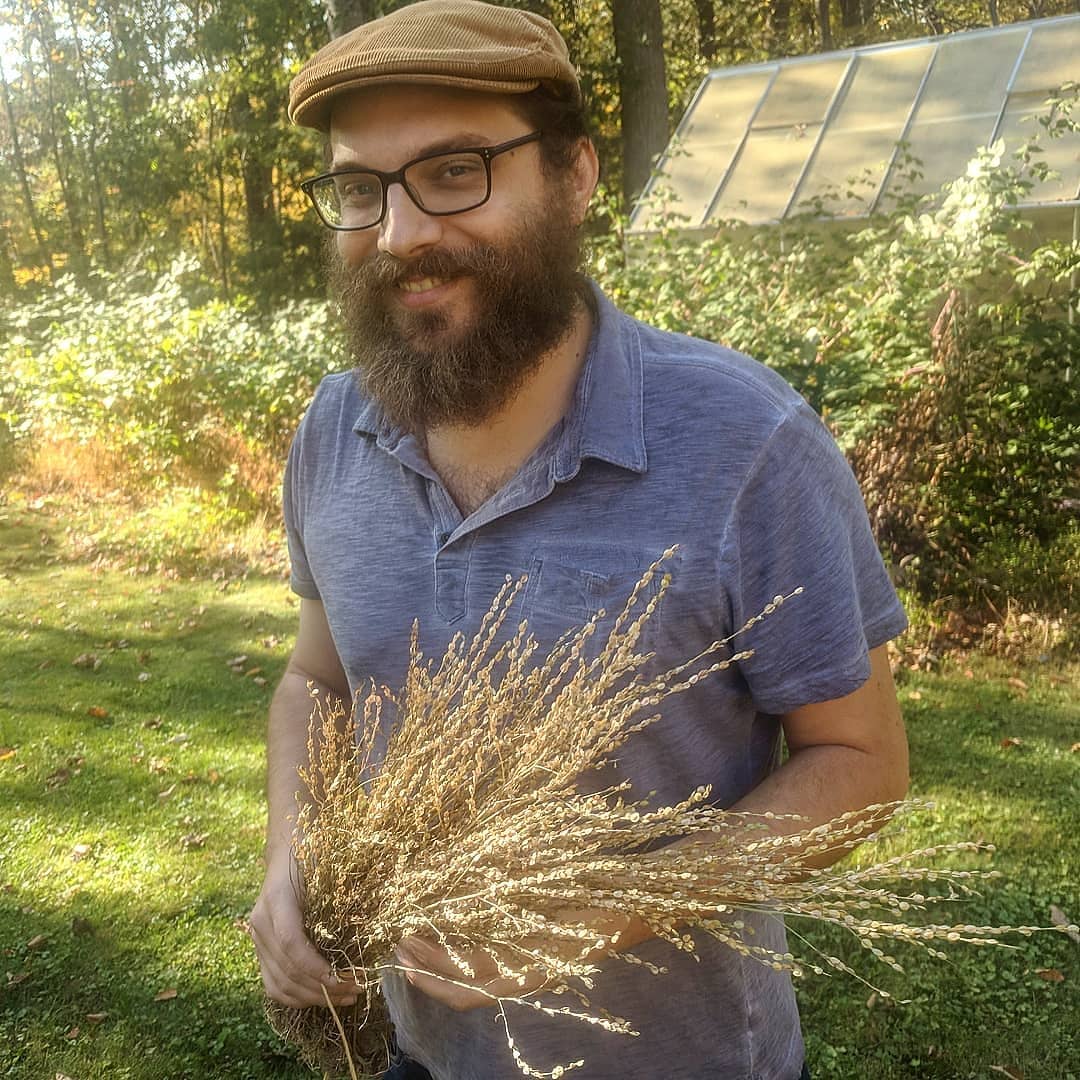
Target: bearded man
(505, 418)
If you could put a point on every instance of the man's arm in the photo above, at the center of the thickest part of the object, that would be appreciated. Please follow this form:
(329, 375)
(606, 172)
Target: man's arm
(844, 754)
(293, 971)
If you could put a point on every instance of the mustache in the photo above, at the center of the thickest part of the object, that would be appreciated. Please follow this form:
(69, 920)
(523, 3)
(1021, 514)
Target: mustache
(384, 271)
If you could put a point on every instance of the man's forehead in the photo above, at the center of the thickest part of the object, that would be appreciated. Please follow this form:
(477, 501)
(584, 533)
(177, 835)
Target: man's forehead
(396, 123)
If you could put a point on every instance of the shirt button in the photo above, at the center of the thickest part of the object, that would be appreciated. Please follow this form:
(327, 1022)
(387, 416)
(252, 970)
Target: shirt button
(443, 538)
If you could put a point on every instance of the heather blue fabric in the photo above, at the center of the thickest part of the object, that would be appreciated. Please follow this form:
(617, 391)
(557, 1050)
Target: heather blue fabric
(669, 440)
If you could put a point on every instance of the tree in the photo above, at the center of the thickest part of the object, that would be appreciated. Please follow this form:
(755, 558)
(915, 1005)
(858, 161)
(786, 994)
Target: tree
(639, 47)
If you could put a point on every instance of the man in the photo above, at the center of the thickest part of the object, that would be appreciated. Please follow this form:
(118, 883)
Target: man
(504, 417)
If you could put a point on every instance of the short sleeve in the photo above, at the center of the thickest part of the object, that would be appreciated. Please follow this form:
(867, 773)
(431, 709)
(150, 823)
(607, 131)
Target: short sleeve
(799, 522)
(301, 580)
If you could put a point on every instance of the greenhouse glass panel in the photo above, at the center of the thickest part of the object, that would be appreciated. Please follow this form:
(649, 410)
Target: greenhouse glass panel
(959, 106)
(766, 173)
(1052, 58)
(702, 150)
(801, 93)
(859, 141)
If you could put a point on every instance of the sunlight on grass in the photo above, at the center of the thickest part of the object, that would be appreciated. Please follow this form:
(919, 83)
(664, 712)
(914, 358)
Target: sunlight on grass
(133, 810)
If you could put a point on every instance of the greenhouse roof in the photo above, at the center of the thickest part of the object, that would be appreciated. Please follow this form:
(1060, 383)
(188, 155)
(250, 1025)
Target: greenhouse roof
(759, 143)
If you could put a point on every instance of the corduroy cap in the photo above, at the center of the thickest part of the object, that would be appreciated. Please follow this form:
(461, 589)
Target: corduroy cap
(461, 43)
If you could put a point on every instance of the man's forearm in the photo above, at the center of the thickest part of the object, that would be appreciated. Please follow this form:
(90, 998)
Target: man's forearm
(819, 784)
(286, 751)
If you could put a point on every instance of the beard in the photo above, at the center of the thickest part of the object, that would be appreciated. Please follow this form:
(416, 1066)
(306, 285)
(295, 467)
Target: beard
(526, 291)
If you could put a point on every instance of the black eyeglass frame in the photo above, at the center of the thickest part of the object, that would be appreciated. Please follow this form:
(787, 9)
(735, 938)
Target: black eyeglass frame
(487, 153)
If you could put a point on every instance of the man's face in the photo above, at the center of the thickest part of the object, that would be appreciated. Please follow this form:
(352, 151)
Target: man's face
(448, 316)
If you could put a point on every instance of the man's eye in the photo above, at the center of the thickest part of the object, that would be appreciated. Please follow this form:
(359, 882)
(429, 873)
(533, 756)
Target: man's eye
(354, 190)
(459, 169)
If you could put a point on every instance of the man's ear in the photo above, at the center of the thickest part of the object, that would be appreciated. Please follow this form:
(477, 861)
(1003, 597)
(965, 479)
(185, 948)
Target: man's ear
(584, 176)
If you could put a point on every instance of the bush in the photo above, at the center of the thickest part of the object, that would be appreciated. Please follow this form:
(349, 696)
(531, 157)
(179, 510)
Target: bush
(167, 381)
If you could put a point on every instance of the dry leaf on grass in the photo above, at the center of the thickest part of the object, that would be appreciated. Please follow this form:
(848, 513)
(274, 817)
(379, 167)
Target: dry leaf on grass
(165, 995)
(1050, 975)
(97, 712)
(97, 1018)
(1011, 741)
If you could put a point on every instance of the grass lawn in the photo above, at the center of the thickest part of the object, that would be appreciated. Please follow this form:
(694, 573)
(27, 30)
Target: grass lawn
(131, 795)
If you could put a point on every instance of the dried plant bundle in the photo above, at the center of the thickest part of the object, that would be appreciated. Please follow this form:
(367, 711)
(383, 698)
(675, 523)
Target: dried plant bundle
(467, 825)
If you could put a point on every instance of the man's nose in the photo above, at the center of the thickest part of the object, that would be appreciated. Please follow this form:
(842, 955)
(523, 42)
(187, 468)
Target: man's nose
(406, 231)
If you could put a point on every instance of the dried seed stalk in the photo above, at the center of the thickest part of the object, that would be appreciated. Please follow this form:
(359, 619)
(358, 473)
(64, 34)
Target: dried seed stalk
(471, 831)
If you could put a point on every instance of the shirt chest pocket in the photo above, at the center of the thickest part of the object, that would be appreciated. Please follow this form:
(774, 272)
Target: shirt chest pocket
(564, 591)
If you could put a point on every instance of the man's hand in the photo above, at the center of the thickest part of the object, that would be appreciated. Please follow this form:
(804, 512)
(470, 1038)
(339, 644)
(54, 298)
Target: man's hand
(294, 973)
(431, 966)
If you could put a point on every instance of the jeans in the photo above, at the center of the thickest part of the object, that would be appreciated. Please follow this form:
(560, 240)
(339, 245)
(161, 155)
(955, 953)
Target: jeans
(404, 1069)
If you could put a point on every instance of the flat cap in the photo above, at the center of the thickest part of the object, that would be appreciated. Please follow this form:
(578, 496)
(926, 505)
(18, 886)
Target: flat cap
(459, 43)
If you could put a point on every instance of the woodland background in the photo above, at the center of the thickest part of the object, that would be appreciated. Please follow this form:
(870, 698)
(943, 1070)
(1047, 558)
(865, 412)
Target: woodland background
(163, 320)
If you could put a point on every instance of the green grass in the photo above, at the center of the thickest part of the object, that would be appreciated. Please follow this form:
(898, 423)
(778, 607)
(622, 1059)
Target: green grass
(164, 742)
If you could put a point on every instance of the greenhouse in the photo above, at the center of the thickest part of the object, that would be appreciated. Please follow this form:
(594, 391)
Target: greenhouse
(835, 134)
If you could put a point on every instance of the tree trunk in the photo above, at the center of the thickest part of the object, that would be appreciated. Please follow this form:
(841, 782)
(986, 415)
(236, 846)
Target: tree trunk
(345, 15)
(851, 13)
(257, 173)
(706, 20)
(639, 47)
(44, 255)
(824, 25)
(91, 116)
(780, 26)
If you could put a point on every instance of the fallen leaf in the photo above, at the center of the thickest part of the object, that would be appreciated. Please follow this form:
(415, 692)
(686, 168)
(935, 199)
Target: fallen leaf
(191, 778)
(1050, 975)
(259, 680)
(165, 995)
(143, 676)
(144, 657)
(6, 752)
(167, 793)
(87, 660)
(46, 664)
(57, 779)
(193, 840)
(96, 1018)
(915, 695)
(14, 980)
(97, 712)
(159, 765)
(72, 1033)
(1017, 684)
(36, 942)
(213, 776)
(1010, 742)
(1013, 1071)
(241, 924)
(237, 661)
(7, 887)
(968, 673)
(253, 671)
(1075, 748)
(154, 724)
(1059, 918)
(179, 739)
(80, 851)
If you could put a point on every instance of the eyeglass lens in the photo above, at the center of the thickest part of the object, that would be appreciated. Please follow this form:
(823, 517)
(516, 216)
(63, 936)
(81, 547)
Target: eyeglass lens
(447, 184)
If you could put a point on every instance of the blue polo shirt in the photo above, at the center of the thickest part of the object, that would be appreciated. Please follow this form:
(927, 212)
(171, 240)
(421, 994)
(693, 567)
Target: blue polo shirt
(668, 441)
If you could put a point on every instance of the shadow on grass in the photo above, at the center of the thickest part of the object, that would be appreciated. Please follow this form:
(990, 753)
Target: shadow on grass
(212, 1026)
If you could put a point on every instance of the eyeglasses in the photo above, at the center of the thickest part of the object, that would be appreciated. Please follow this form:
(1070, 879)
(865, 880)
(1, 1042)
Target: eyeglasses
(439, 184)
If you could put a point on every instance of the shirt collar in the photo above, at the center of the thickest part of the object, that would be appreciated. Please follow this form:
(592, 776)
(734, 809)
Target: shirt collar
(605, 420)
